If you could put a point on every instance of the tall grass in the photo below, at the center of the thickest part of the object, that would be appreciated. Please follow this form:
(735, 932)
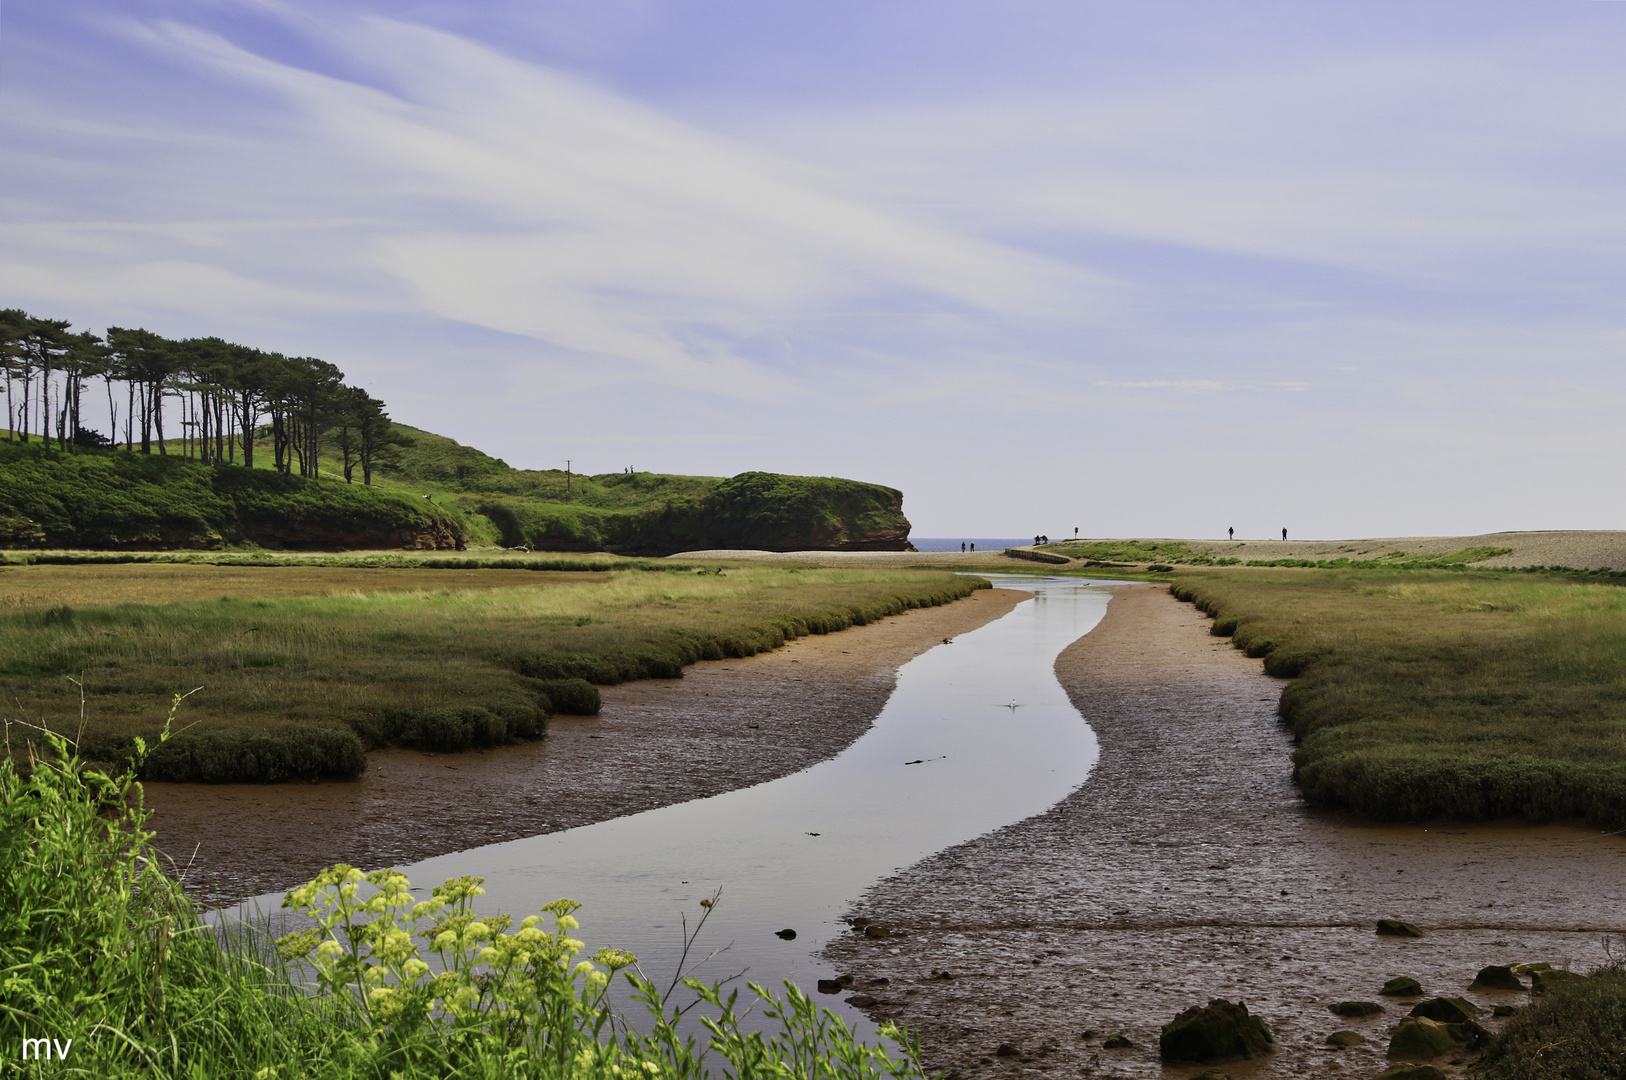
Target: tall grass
(293, 687)
(103, 956)
(1425, 694)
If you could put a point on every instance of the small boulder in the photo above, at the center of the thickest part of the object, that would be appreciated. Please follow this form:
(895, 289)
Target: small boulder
(1345, 1038)
(1446, 1010)
(787, 934)
(1006, 1050)
(876, 931)
(1356, 1008)
(1117, 1042)
(1504, 1010)
(1396, 928)
(1402, 987)
(1543, 981)
(862, 1001)
(1418, 1038)
(830, 986)
(1218, 1031)
(1530, 969)
(1089, 1033)
(1405, 1070)
(1496, 977)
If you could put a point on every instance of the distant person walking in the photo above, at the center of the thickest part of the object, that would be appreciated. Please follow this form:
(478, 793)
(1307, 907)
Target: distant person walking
(962, 547)
(973, 545)
(1284, 534)
(1230, 534)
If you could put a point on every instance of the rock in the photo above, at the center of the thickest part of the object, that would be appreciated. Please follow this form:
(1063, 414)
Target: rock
(1446, 1010)
(847, 980)
(1218, 1031)
(1006, 1050)
(1543, 981)
(1396, 928)
(1418, 1038)
(830, 986)
(874, 982)
(1496, 977)
(1345, 1038)
(786, 934)
(1504, 1010)
(1469, 1034)
(1530, 969)
(862, 1001)
(1405, 1070)
(874, 931)
(1356, 1008)
(1402, 987)
(1089, 1033)
(1117, 1042)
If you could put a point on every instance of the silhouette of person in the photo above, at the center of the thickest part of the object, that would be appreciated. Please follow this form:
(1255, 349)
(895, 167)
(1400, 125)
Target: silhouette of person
(973, 545)
(1230, 534)
(962, 547)
(1284, 534)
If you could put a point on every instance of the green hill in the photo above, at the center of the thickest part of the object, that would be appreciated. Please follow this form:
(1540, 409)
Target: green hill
(110, 499)
(429, 492)
(647, 513)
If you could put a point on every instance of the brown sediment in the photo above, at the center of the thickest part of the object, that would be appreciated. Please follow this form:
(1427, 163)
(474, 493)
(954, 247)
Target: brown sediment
(727, 724)
(1187, 868)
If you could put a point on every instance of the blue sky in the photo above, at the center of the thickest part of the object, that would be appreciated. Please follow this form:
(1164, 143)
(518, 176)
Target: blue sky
(1140, 268)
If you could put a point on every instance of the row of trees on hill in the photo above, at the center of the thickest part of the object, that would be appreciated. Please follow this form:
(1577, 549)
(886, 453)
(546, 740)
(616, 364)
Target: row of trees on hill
(224, 396)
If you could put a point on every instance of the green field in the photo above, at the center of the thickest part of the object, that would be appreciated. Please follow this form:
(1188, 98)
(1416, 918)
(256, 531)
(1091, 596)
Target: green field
(296, 670)
(1424, 693)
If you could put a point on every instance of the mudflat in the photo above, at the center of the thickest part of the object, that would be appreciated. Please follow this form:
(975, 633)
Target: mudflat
(1187, 868)
(727, 724)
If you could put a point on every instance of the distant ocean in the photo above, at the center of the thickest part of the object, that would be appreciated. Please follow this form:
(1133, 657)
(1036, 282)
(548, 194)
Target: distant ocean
(931, 543)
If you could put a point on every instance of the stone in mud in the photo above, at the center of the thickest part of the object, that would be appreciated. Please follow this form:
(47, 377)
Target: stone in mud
(786, 934)
(1117, 1042)
(1543, 981)
(875, 931)
(1345, 1038)
(1418, 1038)
(1006, 1050)
(1402, 987)
(1405, 1070)
(1530, 969)
(1496, 977)
(1396, 928)
(862, 1001)
(830, 986)
(1218, 1031)
(1356, 1008)
(1446, 1010)
(1504, 1010)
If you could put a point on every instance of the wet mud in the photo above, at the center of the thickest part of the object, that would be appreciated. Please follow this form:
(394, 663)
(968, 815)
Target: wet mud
(727, 724)
(1186, 868)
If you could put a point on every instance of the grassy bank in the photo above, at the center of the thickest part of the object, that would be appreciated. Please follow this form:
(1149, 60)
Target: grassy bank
(109, 971)
(297, 686)
(1422, 694)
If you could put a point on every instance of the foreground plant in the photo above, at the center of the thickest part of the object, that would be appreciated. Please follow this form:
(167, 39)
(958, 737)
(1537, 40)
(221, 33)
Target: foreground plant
(107, 969)
(520, 1003)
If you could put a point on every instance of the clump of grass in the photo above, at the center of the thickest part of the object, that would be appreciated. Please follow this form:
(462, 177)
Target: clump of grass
(1576, 1032)
(1425, 694)
(296, 686)
(105, 959)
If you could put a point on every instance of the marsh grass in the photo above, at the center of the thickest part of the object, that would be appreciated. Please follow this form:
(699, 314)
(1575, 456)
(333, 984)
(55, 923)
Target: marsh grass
(1423, 694)
(1576, 1032)
(291, 687)
(102, 953)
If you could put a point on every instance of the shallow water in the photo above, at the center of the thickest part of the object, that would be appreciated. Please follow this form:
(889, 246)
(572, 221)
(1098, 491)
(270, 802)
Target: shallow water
(978, 734)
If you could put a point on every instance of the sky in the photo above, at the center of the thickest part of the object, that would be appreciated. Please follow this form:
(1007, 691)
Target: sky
(1140, 269)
